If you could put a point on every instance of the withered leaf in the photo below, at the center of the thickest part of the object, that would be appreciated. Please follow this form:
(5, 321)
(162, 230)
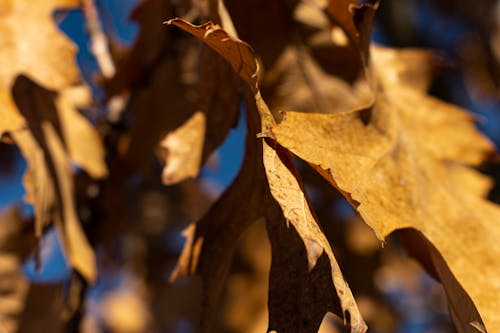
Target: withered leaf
(37, 181)
(212, 240)
(298, 82)
(38, 49)
(173, 80)
(138, 62)
(182, 149)
(355, 20)
(290, 205)
(298, 297)
(400, 167)
(311, 71)
(239, 54)
(275, 22)
(83, 143)
(49, 177)
(47, 126)
(34, 47)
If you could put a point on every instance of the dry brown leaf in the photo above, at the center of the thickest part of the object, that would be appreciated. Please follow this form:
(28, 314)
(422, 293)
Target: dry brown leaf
(286, 188)
(76, 247)
(38, 49)
(319, 73)
(149, 44)
(399, 167)
(31, 43)
(82, 141)
(314, 71)
(212, 241)
(37, 181)
(356, 22)
(301, 295)
(239, 54)
(337, 35)
(152, 106)
(182, 150)
(298, 82)
(305, 280)
(270, 33)
(49, 178)
(291, 207)
(58, 134)
(172, 79)
(418, 76)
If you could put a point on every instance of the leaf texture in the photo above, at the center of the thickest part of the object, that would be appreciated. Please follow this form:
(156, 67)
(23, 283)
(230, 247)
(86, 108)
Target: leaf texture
(49, 177)
(400, 170)
(290, 206)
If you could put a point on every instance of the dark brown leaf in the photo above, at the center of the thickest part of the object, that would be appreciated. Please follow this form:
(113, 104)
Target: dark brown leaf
(288, 197)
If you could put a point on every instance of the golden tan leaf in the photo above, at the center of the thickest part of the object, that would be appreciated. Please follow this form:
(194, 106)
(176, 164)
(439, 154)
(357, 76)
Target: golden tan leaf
(84, 148)
(77, 249)
(399, 163)
(49, 179)
(82, 141)
(182, 149)
(298, 82)
(31, 44)
(37, 181)
(418, 76)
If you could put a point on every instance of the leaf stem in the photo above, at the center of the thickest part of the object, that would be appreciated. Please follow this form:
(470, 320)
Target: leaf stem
(98, 40)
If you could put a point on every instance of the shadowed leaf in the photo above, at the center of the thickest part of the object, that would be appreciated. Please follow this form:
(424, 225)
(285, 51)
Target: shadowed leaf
(286, 189)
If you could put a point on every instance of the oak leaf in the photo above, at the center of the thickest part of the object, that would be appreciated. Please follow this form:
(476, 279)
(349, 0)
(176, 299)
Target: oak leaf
(285, 205)
(49, 176)
(400, 169)
(174, 80)
(44, 122)
(182, 150)
(34, 47)
(321, 68)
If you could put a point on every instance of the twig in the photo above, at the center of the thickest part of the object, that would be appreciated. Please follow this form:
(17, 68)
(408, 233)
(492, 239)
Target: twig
(98, 40)
(100, 50)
